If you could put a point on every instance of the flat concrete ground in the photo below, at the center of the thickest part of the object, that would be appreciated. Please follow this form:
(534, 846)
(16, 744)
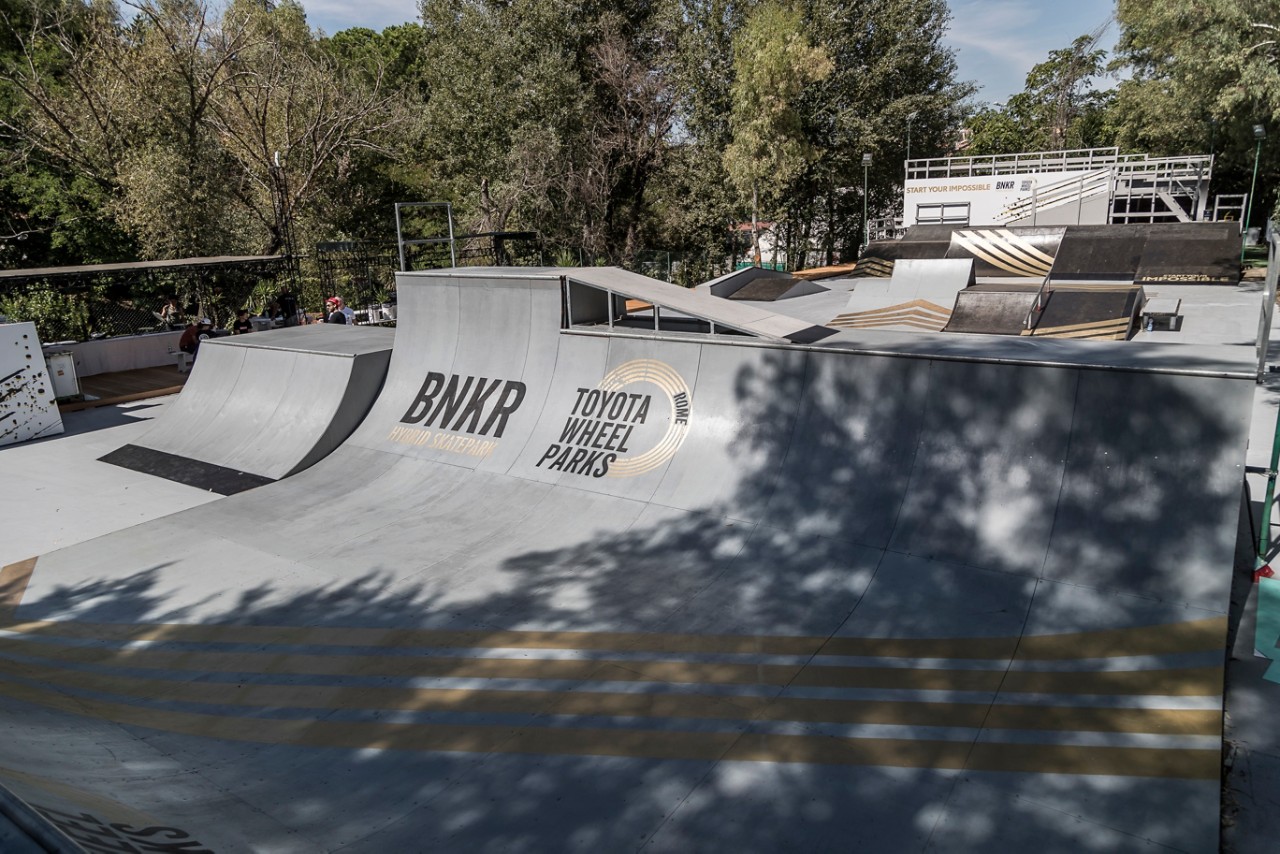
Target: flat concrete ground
(56, 494)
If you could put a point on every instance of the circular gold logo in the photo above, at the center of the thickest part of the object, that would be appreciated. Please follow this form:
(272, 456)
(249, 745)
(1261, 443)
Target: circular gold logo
(663, 376)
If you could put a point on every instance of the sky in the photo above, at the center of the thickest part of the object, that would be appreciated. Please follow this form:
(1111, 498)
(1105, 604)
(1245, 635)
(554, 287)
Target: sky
(996, 41)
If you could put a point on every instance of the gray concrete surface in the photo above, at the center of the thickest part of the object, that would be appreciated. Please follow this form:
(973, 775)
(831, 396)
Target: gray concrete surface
(817, 599)
(56, 493)
(274, 403)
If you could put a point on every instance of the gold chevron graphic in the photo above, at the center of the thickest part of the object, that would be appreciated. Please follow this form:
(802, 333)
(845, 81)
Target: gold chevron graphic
(918, 314)
(1004, 250)
(876, 268)
(1021, 244)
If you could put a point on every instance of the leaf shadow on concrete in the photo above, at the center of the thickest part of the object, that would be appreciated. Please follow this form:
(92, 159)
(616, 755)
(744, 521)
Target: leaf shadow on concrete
(869, 496)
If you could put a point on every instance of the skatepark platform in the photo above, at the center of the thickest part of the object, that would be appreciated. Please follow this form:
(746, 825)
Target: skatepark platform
(263, 406)
(571, 588)
(1196, 253)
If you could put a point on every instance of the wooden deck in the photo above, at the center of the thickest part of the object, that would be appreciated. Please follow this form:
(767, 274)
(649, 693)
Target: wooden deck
(124, 386)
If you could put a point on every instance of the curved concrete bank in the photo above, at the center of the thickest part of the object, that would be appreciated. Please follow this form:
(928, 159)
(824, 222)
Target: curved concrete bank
(264, 406)
(593, 591)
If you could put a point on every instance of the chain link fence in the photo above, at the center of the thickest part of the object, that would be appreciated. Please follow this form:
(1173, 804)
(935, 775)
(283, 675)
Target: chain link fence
(99, 301)
(363, 274)
(102, 301)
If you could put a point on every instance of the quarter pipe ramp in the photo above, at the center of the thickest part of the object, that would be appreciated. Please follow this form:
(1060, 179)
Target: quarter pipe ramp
(591, 590)
(263, 406)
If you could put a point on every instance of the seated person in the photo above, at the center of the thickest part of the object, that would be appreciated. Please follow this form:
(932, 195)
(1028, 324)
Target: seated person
(274, 313)
(333, 311)
(196, 331)
(169, 314)
(242, 323)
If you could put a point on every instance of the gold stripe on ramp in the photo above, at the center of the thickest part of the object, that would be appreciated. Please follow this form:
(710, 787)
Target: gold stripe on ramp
(1193, 681)
(1189, 636)
(1028, 247)
(1185, 763)
(918, 313)
(875, 268)
(645, 705)
(1013, 247)
(52, 674)
(1108, 330)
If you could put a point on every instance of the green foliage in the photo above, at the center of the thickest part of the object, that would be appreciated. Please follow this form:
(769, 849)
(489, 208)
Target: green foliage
(200, 127)
(1058, 108)
(1201, 72)
(1196, 79)
(57, 316)
(773, 62)
(889, 64)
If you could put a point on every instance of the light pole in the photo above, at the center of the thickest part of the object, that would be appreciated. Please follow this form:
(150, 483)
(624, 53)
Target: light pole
(911, 117)
(866, 226)
(1259, 133)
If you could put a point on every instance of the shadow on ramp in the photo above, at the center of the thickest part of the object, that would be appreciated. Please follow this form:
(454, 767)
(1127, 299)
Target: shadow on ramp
(864, 601)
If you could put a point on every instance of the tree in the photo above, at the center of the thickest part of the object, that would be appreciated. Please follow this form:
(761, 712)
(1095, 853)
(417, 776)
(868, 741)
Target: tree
(1057, 108)
(505, 102)
(1201, 73)
(551, 114)
(773, 61)
(889, 63)
(193, 129)
(61, 149)
(286, 117)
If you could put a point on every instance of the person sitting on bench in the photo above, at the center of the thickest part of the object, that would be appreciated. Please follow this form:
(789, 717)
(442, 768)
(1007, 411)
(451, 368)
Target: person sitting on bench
(195, 332)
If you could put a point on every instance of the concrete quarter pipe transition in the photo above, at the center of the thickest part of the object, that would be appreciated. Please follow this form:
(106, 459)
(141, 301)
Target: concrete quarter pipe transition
(601, 590)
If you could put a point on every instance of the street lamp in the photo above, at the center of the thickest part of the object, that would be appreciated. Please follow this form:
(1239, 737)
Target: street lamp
(1259, 133)
(911, 117)
(866, 226)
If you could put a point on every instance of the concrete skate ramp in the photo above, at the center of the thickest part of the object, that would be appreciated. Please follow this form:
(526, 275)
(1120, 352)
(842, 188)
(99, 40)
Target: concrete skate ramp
(1195, 253)
(592, 591)
(1097, 313)
(773, 289)
(1017, 252)
(759, 284)
(992, 309)
(919, 296)
(922, 241)
(1101, 253)
(263, 406)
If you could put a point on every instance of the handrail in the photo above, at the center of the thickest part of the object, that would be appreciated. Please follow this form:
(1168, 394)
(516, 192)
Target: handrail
(1264, 335)
(1048, 161)
(1037, 306)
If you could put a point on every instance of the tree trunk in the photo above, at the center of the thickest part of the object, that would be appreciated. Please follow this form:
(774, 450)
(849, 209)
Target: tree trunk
(755, 226)
(830, 229)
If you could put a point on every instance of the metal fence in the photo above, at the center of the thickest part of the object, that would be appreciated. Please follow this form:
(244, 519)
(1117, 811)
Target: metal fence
(363, 273)
(101, 301)
(98, 301)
